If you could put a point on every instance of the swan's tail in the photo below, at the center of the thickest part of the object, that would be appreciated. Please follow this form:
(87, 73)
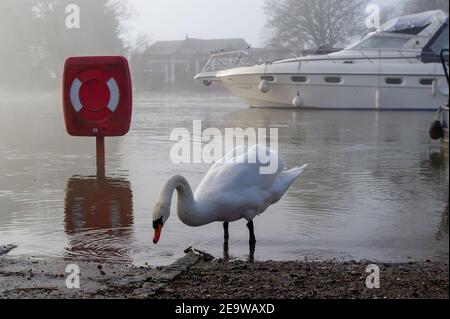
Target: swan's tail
(297, 171)
(290, 176)
(285, 180)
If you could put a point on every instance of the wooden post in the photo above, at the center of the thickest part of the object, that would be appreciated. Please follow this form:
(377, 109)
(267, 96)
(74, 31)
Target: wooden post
(100, 157)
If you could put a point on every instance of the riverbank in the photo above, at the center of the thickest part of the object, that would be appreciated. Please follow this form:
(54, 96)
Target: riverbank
(315, 280)
(196, 276)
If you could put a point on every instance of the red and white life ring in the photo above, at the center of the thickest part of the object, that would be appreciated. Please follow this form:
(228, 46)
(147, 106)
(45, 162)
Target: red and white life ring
(94, 95)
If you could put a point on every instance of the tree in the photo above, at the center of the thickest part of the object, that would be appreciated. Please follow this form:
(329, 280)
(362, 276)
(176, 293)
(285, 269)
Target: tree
(36, 40)
(414, 6)
(138, 60)
(313, 23)
(19, 39)
(98, 33)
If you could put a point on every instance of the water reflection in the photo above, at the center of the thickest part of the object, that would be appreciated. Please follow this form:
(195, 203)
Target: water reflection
(442, 233)
(375, 188)
(226, 251)
(438, 159)
(98, 218)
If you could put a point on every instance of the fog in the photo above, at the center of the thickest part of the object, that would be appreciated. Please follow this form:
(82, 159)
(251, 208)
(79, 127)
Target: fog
(35, 39)
(375, 187)
(173, 19)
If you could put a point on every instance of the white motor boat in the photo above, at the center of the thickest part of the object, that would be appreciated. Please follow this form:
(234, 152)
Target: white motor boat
(397, 67)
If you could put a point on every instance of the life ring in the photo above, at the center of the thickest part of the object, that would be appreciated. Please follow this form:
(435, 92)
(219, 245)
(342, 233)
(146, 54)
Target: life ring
(94, 95)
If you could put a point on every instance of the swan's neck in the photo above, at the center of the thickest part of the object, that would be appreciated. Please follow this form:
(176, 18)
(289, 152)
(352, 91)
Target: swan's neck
(188, 209)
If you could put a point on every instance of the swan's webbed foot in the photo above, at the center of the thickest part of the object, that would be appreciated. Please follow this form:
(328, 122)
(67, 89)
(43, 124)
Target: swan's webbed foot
(225, 231)
(251, 230)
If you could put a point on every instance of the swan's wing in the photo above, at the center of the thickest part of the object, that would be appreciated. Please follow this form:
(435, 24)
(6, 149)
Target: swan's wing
(230, 157)
(256, 154)
(237, 175)
(239, 170)
(233, 190)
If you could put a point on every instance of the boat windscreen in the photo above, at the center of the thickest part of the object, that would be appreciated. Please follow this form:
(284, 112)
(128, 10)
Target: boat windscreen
(414, 22)
(411, 31)
(441, 42)
(381, 42)
(432, 51)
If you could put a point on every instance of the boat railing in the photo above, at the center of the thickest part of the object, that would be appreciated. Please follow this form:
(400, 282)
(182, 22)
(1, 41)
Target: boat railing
(372, 56)
(443, 116)
(445, 62)
(220, 61)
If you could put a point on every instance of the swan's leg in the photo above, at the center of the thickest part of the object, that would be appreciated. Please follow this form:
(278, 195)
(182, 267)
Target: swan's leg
(226, 254)
(252, 232)
(251, 256)
(225, 231)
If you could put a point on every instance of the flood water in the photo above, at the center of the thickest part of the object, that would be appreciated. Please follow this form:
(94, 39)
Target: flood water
(375, 187)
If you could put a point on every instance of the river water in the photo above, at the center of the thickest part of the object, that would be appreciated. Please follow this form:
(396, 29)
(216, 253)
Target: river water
(375, 187)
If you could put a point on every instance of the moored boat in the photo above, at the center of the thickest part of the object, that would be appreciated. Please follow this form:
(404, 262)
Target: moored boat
(394, 68)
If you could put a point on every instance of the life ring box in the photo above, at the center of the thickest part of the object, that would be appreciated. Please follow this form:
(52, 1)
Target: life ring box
(97, 96)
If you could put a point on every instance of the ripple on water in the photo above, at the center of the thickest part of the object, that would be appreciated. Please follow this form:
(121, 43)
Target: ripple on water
(373, 188)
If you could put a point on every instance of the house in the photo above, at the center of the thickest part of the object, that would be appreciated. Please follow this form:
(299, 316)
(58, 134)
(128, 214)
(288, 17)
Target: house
(175, 63)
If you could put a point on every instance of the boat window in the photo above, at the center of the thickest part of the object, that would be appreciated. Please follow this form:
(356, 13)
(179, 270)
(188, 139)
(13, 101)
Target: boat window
(394, 81)
(268, 78)
(382, 42)
(441, 42)
(412, 31)
(426, 81)
(300, 79)
(412, 22)
(333, 79)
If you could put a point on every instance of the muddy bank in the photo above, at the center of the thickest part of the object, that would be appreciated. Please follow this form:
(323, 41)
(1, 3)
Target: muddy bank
(197, 277)
(30, 278)
(302, 280)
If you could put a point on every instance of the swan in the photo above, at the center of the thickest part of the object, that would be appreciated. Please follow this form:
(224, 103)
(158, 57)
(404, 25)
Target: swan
(234, 188)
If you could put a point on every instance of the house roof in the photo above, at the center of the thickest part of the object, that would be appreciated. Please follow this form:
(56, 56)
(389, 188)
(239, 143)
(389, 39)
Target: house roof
(200, 46)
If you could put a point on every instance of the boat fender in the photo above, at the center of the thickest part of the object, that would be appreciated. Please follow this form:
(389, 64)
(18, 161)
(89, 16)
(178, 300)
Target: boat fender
(298, 100)
(264, 86)
(436, 130)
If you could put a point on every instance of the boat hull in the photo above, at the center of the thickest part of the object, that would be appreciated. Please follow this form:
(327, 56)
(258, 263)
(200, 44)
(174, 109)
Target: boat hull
(353, 92)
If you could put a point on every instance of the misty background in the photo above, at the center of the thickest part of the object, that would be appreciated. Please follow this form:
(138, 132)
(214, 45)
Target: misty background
(34, 40)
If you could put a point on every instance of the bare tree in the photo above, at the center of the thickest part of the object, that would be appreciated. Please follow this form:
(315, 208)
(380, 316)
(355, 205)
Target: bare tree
(313, 23)
(414, 6)
(35, 39)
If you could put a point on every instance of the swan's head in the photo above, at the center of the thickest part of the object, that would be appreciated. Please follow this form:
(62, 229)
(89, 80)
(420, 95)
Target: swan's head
(161, 213)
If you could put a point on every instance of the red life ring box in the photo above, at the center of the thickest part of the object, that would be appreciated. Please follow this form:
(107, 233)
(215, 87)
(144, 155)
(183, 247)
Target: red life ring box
(97, 96)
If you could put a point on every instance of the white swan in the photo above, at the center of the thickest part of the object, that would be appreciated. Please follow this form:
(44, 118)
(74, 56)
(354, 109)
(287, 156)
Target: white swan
(233, 189)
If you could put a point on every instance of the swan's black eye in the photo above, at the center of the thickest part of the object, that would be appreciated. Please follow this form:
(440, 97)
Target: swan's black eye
(158, 222)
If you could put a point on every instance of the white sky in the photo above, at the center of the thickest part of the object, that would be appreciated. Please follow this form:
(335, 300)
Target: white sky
(173, 19)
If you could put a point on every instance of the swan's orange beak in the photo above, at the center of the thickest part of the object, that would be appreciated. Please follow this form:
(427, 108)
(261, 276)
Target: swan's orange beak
(157, 233)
